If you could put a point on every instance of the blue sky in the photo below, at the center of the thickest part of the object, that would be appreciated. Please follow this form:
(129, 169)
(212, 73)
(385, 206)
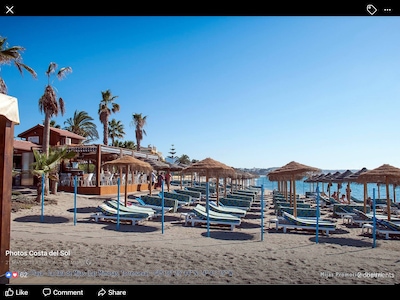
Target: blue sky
(247, 91)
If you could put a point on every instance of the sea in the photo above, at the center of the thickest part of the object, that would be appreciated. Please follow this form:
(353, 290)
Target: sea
(357, 190)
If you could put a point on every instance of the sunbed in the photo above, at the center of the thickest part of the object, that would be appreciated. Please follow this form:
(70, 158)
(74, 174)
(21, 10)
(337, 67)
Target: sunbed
(196, 196)
(106, 212)
(387, 228)
(241, 213)
(238, 203)
(182, 198)
(131, 208)
(155, 202)
(293, 222)
(198, 215)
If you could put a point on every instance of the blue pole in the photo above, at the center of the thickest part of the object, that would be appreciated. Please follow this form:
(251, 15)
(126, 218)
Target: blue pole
(75, 191)
(162, 206)
(317, 225)
(42, 213)
(208, 213)
(262, 212)
(118, 183)
(373, 219)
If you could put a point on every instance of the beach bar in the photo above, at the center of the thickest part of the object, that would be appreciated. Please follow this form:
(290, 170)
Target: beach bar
(99, 182)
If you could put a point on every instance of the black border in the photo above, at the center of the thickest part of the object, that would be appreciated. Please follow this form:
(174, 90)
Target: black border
(187, 8)
(152, 291)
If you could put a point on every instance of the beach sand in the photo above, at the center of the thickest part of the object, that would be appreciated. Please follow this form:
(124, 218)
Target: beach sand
(81, 251)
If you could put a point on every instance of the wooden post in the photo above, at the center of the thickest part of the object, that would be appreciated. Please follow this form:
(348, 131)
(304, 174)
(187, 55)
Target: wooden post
(388, 199)
(6, 162)
(98, 165)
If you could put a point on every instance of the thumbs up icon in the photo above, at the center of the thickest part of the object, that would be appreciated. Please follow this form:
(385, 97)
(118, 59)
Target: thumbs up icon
(9, 292)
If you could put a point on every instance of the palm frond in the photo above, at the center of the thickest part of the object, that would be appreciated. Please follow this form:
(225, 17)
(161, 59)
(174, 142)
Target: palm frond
(21, 66)
(62, 73)
(51, 69)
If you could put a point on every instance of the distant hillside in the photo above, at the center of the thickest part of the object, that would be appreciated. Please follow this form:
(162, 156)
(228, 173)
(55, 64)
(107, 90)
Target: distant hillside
(265, 171)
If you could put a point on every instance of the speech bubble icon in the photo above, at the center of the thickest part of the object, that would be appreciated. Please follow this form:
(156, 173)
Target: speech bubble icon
(46, 292)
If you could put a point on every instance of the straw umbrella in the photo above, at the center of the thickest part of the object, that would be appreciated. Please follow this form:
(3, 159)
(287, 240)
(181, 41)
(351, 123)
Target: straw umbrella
(341, 178)
(133, 163)
(293, 171)
(328, 178)
(354, 178)
(210, 168)
(315, 179)
(385, 173)
(156, 165)
(164, 166)
(173, 168)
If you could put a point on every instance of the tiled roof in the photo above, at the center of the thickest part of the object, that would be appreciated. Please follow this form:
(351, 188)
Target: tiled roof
(61, 132)
(25, 145)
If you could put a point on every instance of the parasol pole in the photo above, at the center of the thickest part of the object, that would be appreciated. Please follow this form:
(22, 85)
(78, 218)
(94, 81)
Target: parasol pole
(207, 208)
(126, 184)
(262, 212)
(118, 184)
(162, 206)
(75, 192)
(294, 195)
(217, 187)
(388, 198)
(365, 196)
(317, 225)
(348, 191)
(394, 193)
(225, 184)
(373, 219)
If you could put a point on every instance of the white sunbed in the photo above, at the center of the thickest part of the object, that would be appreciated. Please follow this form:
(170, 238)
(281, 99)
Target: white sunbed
(241, 213)
(106, 212)
(292, 222)
(199, 216)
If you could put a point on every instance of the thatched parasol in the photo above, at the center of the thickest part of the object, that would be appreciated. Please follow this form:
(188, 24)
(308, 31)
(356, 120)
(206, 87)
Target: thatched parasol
(293, 171)
(210, 168)
(385, 173)
(164, 166)
(341, 178)
(133, 163)
(354, 178)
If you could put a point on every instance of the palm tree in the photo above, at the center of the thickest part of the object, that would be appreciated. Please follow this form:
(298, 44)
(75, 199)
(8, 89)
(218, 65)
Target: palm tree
(47, 165)
(129, 145)
(105, 111)
(12, 55)
(115, 130)
(53, 124)
(184, 159)
(48, 102)
(125, 144)
(81, 124)
(138, 122)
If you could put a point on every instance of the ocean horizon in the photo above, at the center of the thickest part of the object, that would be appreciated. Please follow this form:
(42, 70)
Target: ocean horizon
(357, 190)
